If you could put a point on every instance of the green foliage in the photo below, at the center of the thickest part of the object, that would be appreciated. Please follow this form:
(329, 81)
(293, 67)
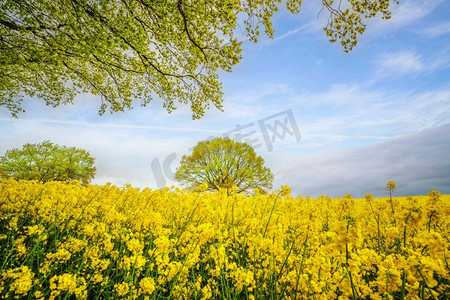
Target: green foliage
(48, 162)
(138, 49)
(345, 25)
(224, 163)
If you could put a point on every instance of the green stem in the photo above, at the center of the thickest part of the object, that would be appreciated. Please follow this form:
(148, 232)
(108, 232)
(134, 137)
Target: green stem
(402, 296)
(392, 202)
(300, 272)
(270, 216)
(355, 294)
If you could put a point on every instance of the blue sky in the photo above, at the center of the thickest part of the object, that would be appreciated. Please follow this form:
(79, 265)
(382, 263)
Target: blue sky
(378, 113)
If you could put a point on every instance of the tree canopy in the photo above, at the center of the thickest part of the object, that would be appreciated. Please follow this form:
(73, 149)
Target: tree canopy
(224, 163)
(48, 162)
(140, 49)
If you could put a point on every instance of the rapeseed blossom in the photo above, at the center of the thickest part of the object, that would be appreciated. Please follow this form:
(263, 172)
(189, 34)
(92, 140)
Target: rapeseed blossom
(63, 240)
(147, 285)
(22, 280)
(121, 288)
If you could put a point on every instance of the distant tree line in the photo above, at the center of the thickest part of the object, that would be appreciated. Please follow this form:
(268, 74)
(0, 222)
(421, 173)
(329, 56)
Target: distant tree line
(220, 163)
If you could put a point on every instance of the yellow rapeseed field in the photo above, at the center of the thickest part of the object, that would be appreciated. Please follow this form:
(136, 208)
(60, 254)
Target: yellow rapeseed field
(63, 240)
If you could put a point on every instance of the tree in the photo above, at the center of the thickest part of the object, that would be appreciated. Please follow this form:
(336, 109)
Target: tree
(224, 163)
(47, 162)
(138, 49)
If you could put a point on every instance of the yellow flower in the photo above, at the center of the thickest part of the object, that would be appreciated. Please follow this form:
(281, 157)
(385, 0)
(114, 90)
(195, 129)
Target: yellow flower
(21, 247)
(206, 240)
(38, 295)
(390, 185)
(202, 187)
(206, 292)
(285, 190)
(65, 282)
(75, 245)
(147, 285)
(31, 230)
(61, 255)
(139, 261)
(134, 245)
(97, 278)
(121, 288)
(23, 279)
(353, 266)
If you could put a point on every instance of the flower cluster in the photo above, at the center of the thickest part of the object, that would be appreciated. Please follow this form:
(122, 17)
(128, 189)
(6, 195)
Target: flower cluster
(63, 240)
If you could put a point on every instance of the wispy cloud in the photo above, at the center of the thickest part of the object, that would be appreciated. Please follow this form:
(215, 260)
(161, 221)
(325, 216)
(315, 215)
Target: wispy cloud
(110, 125)
(406, 62)
(363, 111)
(307, 28)
(406, 13)
(313, 135)
(436, 30)
(399, 63)
(409, 11)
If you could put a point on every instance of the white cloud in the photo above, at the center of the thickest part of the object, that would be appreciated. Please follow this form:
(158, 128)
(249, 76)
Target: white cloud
(417, 162)
(399, 63)
(348, 115)
(342, 117)
(406, 13)
(410, 11)
(436, 30)
(304, 29)
(109, 125)
(410, 63)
